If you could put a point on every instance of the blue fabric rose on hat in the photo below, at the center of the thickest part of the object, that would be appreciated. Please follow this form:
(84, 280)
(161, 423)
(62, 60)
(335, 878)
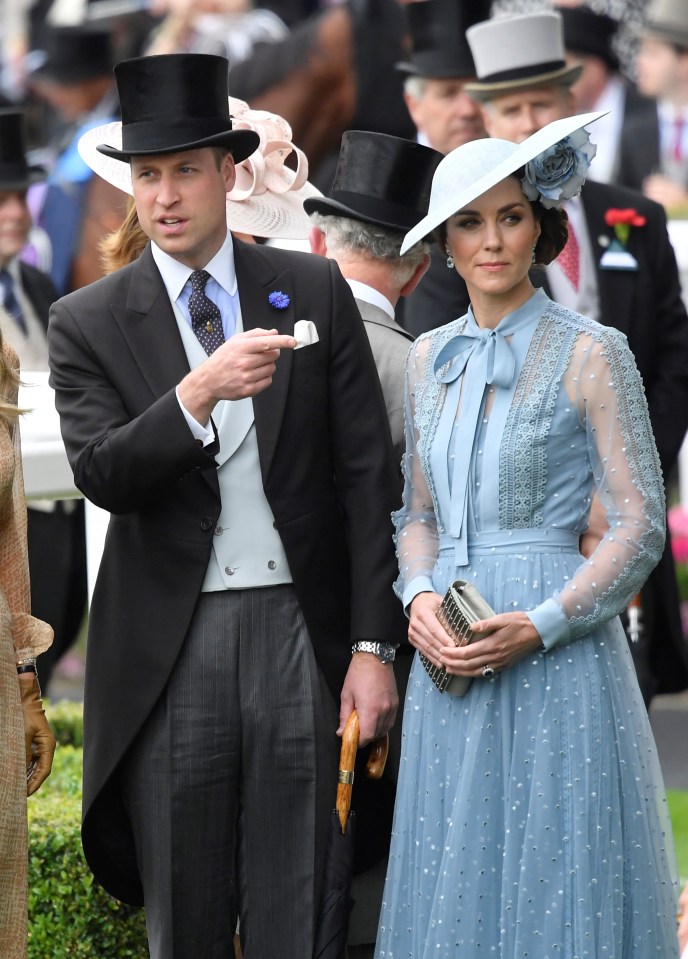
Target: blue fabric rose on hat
(559, 172)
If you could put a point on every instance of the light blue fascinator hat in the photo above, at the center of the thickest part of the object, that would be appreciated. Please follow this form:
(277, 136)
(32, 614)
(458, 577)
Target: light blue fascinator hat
(556, 160)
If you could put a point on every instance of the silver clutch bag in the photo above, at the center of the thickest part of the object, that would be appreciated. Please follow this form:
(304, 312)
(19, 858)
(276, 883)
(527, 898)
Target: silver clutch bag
(461, 606)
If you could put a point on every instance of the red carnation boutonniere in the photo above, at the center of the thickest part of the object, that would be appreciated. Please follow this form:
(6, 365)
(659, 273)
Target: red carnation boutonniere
(622, 221)
(616, 256)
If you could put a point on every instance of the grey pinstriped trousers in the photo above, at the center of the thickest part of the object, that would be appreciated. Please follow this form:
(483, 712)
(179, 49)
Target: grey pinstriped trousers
(231, 783)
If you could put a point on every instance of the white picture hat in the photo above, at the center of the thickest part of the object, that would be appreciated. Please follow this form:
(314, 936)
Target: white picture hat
(267, 197)
(474, 168)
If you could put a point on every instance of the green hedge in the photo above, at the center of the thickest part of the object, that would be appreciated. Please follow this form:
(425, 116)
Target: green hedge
(70, 916)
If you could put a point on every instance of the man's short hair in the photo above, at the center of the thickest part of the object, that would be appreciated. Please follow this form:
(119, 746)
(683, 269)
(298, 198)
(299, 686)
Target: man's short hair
(415, 87)
(371, 242)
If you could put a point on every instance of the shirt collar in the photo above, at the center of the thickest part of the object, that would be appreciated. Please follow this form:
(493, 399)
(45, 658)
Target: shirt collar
(369, 294)
(175, 274)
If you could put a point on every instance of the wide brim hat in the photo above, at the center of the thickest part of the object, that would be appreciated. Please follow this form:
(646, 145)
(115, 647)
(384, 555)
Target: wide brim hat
(175, 102)
(16, 173)
(472, 169)
(666, 20)
(267, 199)
(437, 30)
(380, 179)
(517, 53)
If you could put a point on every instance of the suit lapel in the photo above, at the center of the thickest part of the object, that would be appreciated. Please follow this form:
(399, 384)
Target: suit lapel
(256, 279)
(616, 287)
(148, 325)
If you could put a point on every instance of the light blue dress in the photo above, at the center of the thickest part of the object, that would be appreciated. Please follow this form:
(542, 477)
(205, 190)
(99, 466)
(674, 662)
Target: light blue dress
(531, 819)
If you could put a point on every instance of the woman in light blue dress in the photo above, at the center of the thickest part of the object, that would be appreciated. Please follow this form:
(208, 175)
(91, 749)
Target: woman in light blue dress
(531, 818)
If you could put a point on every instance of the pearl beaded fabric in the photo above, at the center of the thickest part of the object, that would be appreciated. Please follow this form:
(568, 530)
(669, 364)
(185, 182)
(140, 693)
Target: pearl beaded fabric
(531, 819)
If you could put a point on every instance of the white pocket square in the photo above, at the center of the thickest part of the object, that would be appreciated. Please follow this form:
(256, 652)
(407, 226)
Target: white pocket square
(305, 333)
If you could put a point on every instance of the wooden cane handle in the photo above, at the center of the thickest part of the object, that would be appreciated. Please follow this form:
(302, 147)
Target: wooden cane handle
(377, 758)
(347, 761)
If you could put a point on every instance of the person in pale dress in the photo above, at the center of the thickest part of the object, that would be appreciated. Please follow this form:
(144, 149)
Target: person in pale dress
(530, 819)
(26, 742)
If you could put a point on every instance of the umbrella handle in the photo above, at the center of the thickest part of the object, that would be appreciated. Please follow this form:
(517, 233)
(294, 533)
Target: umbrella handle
(347, 761)
(377, 758)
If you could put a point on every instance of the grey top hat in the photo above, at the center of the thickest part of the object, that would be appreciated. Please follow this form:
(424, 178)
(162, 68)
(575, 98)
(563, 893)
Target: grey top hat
(667, 20)
(515, 53)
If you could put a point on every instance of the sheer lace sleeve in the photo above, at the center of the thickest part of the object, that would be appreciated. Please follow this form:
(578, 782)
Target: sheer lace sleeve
(604, 383)
(416, 535)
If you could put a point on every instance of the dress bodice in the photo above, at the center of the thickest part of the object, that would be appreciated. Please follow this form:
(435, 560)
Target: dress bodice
(519, 430)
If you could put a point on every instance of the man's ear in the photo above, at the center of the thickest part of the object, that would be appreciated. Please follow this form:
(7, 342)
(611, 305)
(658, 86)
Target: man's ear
(228, 171)
(418, 274)
(318, 241)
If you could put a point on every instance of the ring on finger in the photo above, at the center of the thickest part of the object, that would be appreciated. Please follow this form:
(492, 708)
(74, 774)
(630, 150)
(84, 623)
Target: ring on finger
(488, 672)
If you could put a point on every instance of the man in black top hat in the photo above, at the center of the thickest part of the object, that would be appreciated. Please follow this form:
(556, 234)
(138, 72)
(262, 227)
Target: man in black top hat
(57, 550)
(589, 38)
(381, 189)
(445, 117)
(221, 401)
(71, 71)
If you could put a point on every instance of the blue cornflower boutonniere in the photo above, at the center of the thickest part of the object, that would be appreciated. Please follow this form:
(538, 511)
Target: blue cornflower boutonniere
(279, 300)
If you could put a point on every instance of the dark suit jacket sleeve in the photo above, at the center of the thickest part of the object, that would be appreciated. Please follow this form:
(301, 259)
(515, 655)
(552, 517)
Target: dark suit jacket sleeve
(668, 394)
(123, 452)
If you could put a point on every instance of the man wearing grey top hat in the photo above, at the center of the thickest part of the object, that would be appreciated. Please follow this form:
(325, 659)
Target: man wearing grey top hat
(220, 399)
(655, 147)
(523, 84)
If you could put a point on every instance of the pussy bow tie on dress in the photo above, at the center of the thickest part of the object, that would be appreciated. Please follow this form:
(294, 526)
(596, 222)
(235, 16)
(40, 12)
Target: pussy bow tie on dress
(485, 358)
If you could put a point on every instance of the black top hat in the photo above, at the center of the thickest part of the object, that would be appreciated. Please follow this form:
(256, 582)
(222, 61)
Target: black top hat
(380, 179)
(71, 54)
(173, 102)
(438, 37)
(591, 33)
(15, 172)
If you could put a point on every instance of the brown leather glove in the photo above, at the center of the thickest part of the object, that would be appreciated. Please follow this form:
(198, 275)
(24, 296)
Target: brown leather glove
(39, 740)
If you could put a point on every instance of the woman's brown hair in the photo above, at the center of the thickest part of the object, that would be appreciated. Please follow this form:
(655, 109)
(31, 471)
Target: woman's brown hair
(120, 248)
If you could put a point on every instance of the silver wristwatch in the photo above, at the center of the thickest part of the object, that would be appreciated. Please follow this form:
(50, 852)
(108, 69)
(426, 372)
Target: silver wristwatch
(384, 651)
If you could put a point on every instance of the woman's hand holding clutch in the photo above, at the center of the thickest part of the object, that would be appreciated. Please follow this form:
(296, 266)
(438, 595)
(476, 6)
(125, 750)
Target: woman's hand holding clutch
(425, 631)
(502, 641)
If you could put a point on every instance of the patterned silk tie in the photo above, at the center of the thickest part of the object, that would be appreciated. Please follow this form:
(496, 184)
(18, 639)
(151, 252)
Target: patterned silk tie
(206, 319)
(10, 301)
(569, 259)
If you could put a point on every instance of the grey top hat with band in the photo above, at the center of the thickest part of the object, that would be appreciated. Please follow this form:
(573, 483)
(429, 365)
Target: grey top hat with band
(667, 20)
(174, 102)
(472, 169)
(15, 172)
(380, 179)
(515, 53)
(437, 30)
